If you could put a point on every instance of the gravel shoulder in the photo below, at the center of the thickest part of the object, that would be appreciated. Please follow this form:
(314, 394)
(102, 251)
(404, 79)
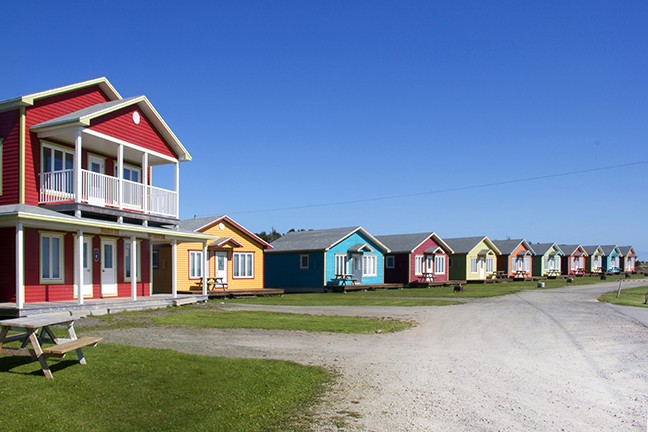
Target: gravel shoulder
(538, 360)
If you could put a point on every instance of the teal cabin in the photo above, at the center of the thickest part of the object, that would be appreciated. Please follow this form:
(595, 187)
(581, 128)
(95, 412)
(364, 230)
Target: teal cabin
(611, 259)
(311, 261)
(546, 261)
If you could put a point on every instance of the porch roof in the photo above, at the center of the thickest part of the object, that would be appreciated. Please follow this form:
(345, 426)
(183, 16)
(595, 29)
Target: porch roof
(35, 216)
(407, 243)
(222, 241)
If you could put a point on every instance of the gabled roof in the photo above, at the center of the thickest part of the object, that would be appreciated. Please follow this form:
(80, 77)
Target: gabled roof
(461, 245)
(204, 223)
(593, 250)
(543, 248)
(608, 250)
(222, 241)
(508, 246)
(407, 243)
(30, 99)
(319, 240)
(83, 117)
(626, 250)
(573, 250)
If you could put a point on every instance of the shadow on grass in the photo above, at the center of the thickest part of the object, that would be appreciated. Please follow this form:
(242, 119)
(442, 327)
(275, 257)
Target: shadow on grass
(12, 364)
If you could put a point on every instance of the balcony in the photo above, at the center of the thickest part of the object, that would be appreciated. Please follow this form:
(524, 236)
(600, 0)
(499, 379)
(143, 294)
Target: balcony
(101, 190)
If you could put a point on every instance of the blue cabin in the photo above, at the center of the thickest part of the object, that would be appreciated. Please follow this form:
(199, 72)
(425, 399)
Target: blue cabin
(303, 261)
(611, 259)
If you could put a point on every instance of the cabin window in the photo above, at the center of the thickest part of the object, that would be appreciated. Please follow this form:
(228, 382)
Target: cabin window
(340, 264)
(369, 265)
(57, 165)
(127, 260)
(418, 264)
(51, 257)
(195, 264)
(390, 262)
(304, 262)
(490, 265)
(473, 265)
(155, 259)
(439, 264)
(243, 264)
(131, 173)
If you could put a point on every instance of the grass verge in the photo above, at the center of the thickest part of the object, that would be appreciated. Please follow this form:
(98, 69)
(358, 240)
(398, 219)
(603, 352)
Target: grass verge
(127, 388)
(629, 297)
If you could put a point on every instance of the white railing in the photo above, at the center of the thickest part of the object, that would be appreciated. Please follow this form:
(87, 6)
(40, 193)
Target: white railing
(162, 202)
(56, 186)
(102, 190)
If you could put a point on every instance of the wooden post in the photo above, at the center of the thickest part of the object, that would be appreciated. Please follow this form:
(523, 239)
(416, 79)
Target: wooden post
(120, 176)
(205, 264)
(20, 266)
(133, 270)
(78, 265)
(174, 269)
(619, 290)
(77, 169)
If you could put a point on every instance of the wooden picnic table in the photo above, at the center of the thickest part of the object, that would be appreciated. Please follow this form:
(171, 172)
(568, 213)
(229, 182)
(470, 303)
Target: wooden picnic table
(521, 274)
(213, 282)
(427, 276)
(345, 277)
(28, 328)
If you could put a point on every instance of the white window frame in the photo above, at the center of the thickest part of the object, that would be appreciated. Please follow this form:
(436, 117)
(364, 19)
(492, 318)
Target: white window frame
(490, 265)
(130, 168)
(439, 264)
(243, 265)
(61, 264)
(155, 259)
(369, 265)
(127, 260)
(473, 265)
(419, 261)
(390, 262)
(341, 260)
(196, 264)
(304, 261)
(53, 148)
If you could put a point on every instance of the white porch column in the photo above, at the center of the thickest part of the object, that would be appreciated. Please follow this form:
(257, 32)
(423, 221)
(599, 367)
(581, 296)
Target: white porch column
(133, 268)
(177, 188)
(20, 267)
(120, 176)
(78, 266)
(77, 169)
(205, 266)
(145, 183)
(174, 269)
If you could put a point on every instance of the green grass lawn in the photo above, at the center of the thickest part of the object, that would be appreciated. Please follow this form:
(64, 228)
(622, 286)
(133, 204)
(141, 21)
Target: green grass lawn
(282, 321)
(412, 296)
(128, 389)
(629, 297)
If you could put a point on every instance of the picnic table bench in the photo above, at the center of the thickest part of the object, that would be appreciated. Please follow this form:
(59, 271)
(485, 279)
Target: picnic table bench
(344, 278)
(213, 282)
(427, 277)
(28, 328)
(521, 274)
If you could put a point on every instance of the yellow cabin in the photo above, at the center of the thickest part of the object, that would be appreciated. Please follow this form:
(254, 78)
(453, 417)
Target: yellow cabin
(234, 259)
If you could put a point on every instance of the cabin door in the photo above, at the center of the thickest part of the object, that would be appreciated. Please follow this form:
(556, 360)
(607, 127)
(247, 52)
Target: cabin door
(221, 266)
(108, 267)
(481, 267)
(357, 267)
(86, 285)
(96, 181)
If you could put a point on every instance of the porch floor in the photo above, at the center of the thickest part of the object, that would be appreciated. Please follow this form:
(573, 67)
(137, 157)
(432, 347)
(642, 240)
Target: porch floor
(98, 306)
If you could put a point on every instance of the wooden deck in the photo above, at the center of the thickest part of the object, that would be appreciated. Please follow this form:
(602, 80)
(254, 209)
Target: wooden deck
(227, 293)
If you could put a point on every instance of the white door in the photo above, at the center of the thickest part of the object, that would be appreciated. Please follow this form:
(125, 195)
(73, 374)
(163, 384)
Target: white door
(357, 267)
(96, 184)
(221, 265)
(481, 267)
(86, 287)
(108, 267)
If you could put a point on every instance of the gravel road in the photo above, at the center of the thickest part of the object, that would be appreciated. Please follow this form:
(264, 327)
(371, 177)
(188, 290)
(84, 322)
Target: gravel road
(546, 360)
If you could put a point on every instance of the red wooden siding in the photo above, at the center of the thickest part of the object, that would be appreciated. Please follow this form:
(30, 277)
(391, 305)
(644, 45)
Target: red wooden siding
(8, 265)
(398, 274)
(10, 131)
(47, 109)
(34, 291)
(120, 124)
(429, 243)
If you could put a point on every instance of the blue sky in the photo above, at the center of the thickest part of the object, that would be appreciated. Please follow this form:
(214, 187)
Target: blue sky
(289, 106)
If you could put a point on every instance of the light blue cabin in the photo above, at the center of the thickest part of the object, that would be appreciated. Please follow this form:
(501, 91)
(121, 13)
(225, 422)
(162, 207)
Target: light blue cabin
(303, 261)
(611, 259)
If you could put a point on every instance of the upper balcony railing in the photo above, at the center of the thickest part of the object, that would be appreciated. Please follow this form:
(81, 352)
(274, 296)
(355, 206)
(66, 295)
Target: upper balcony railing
(103, 191)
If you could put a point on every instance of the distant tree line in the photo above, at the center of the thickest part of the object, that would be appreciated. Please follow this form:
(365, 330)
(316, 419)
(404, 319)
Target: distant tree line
(274, 234)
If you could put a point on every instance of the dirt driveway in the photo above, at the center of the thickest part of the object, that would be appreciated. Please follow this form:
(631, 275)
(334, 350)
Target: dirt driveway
(549, 360)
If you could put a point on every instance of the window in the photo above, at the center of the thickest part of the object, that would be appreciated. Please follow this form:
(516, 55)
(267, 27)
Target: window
(575, 263)
(340, 264)
(155, 258)
(131, 173)
(56, 169)
(304, 261)
(418, 264)
(243, 264)
(51, 258)
(490, 265)
(127, 260)
(519, 263)
(195, 264)
(390, 262)
(439, 264)
(473, 265)
(369, 265)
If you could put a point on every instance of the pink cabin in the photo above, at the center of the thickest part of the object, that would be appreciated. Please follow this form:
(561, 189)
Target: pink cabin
(573, 262)
(416, 258)
(78, 211)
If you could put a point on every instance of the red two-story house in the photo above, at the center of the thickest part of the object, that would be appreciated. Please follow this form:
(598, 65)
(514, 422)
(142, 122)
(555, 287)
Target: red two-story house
(78, 212)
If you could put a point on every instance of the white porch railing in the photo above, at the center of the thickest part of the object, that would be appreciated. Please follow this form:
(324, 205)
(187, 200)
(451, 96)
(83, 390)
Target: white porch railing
(103, 191)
